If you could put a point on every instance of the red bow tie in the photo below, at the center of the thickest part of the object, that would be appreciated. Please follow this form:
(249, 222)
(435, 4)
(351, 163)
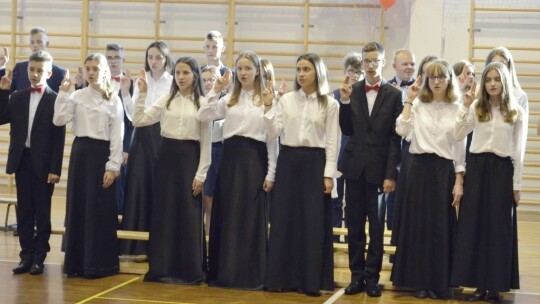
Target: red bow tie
(117, 78)
(36, 89)
(368, 88)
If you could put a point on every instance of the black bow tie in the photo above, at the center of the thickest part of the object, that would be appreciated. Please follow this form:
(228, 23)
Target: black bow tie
(406, 83)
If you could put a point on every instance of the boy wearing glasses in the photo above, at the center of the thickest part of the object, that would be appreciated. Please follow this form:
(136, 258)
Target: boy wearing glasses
(368, 116)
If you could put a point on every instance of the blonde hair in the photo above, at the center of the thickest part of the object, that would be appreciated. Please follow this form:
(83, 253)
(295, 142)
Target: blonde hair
(107, 88)
(483, 107)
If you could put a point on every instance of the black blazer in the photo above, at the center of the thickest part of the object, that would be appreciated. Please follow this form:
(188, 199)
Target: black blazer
(374, 146)
(47, 140)
(20, 79)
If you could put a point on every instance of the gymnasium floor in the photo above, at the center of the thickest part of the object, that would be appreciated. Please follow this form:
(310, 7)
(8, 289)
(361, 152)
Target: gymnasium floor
(53, 287)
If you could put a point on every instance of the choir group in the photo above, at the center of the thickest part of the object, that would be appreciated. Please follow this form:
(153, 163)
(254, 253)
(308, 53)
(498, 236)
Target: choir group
(185, 150)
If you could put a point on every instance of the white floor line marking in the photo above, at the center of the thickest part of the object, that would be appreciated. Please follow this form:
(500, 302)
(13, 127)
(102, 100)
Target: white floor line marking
(336, 296)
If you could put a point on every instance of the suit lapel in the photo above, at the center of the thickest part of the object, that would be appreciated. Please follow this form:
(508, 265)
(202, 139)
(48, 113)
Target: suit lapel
(363, 105)
(379, 100)
(42, 105)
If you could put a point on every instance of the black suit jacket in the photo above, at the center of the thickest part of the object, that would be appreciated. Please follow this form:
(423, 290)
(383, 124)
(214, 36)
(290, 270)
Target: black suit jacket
(20, 79)
(46, 141)
(374, 146)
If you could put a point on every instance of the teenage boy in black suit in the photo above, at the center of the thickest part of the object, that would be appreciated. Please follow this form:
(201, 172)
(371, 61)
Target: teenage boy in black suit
(36, 151)
(368, 115)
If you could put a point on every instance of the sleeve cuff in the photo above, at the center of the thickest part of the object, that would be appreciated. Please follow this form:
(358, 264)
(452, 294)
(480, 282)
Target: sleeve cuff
(346, 102)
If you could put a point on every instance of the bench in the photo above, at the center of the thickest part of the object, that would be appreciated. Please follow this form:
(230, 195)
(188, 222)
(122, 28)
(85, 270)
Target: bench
(9, 201)
(144, 236)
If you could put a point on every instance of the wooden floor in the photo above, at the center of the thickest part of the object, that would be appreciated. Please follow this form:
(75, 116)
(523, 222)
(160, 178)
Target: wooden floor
(53, 287)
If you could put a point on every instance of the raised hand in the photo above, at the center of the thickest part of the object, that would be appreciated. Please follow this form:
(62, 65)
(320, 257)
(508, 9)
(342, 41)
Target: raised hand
(345, 89)
(282, 88)
(65, 85)
(4, 58)
(5, 82)
(469, 96)
(414, 89)
(223, 82)
(268, 93)
(79, 78)
(125, 81)
(142, 82)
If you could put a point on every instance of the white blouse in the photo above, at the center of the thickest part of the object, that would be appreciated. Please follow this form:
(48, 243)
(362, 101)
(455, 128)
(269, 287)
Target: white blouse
(494, 136)
(432, 125)
(243, 119)
(95, 117)
(156, 89)
(180, 122)
(300, 121)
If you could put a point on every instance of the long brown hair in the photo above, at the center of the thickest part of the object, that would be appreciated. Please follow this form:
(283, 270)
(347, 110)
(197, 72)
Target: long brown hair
(483, 107)
(197, 87)
(321, 73)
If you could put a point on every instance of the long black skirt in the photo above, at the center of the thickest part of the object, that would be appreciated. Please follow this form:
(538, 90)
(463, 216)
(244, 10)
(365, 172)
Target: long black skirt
(486, 241)
(140, 185)
(176, 247)
(238, 230)
(91, 220)
(300, 254)
(424, 243)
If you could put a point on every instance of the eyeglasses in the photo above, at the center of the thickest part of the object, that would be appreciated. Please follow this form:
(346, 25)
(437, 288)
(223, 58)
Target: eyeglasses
(209, 80)
(440, 78)
(115, 58)
(375, 62)
(352, 72)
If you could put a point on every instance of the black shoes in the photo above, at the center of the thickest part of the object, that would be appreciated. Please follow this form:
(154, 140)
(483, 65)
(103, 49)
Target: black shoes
(37, 268)
(23, 267)
(421, 294)
(478, 295)
(28, 266)
(355, 287)
(373, 289)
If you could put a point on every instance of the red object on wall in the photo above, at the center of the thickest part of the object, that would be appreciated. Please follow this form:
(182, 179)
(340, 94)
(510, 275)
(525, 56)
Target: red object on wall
(387, 3)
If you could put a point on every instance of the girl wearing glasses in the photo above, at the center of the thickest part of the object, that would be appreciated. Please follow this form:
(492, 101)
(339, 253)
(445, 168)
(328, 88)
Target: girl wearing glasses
(486, 241)
(434, 184)
(143, 152)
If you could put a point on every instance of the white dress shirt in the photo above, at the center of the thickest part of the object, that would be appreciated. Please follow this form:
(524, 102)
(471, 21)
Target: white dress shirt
(243, 119)
(180, 122)
(35, 97)
(156, 89)
(300, 121)
(371, 96)
(494, 136)
(95, 117)
(432, 125)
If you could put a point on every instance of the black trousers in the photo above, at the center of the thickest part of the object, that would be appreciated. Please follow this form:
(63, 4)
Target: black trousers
(33, 210)
(362, 203)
